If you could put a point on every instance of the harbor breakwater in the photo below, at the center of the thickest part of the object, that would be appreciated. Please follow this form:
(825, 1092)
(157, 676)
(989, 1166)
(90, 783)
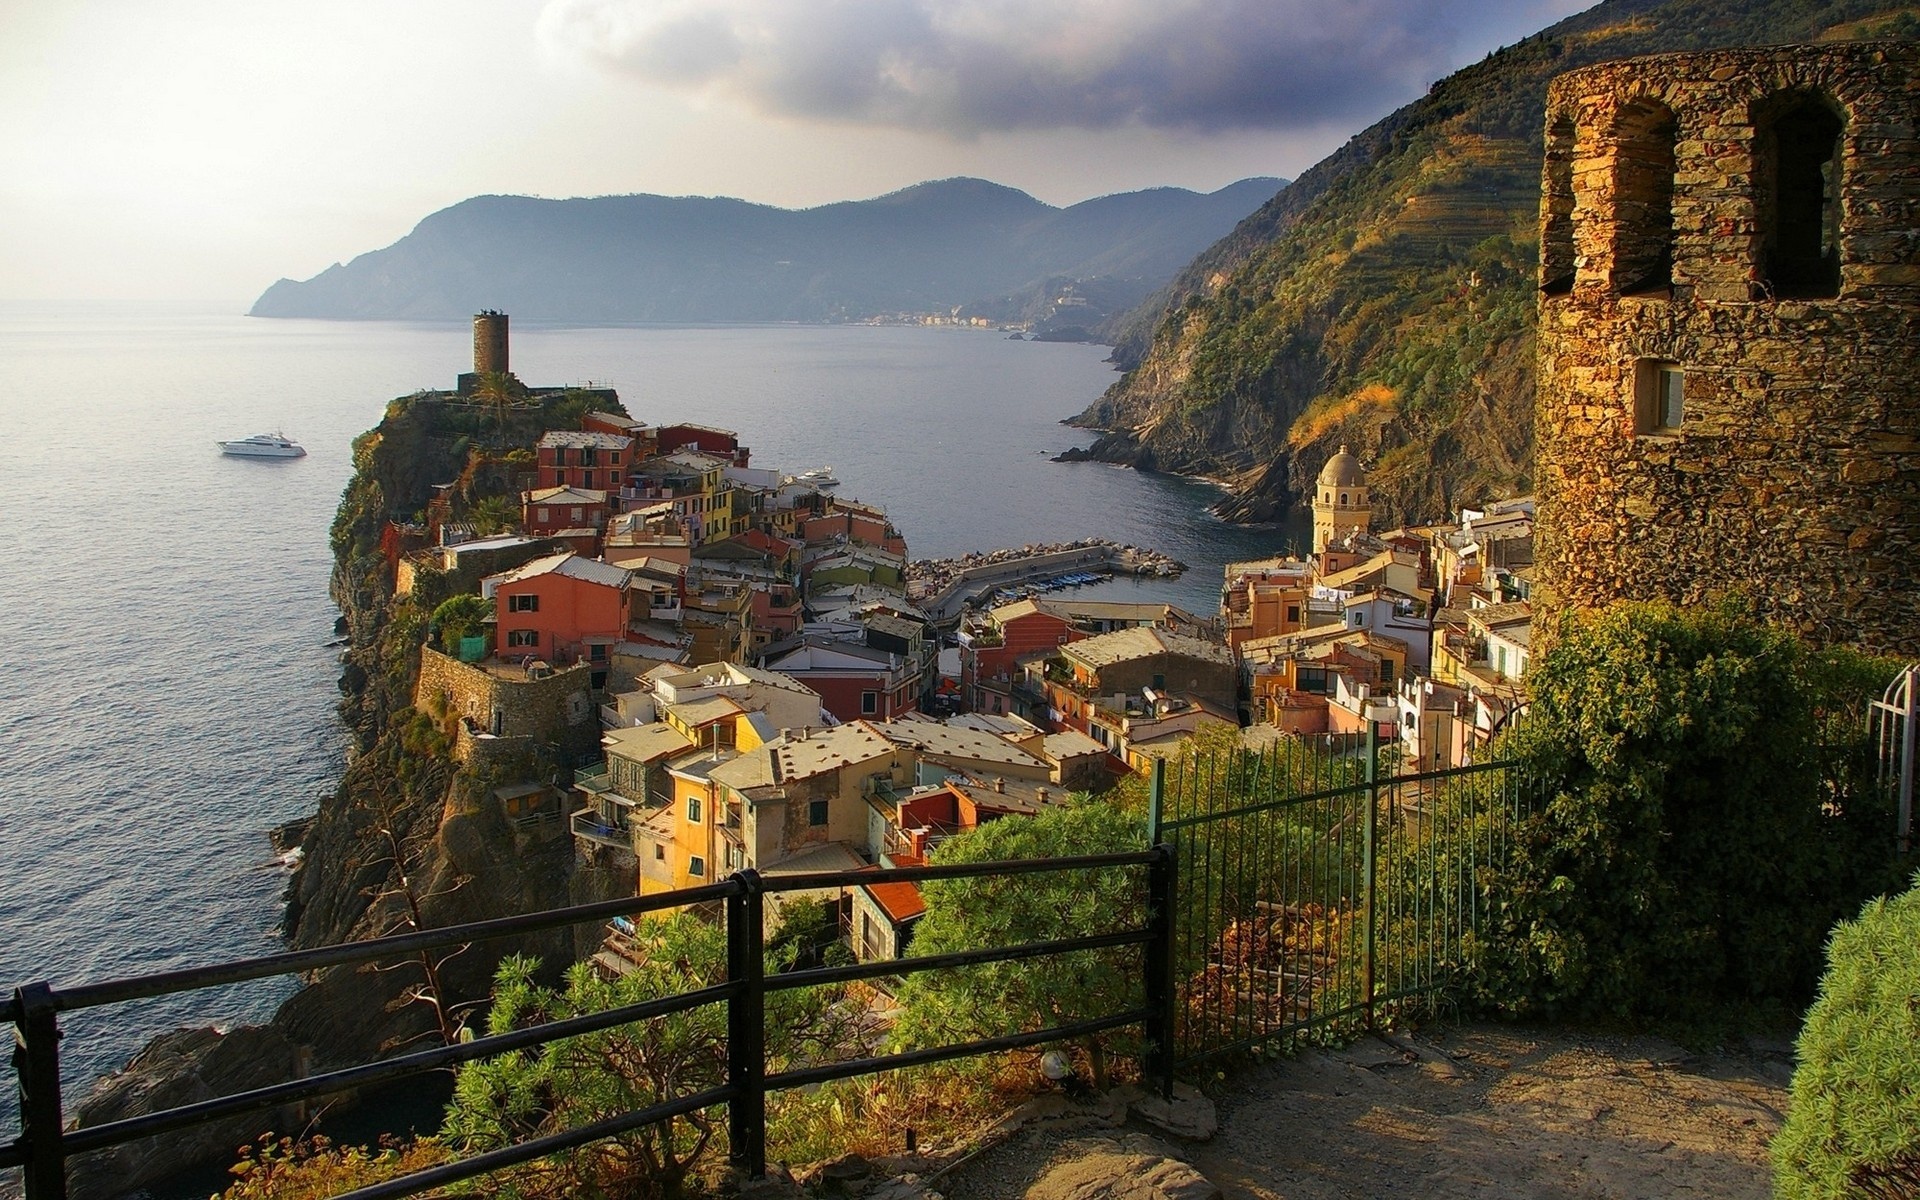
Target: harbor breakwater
(943, 588)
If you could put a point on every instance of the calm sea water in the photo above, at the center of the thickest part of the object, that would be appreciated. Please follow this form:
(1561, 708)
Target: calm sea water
(168, 694)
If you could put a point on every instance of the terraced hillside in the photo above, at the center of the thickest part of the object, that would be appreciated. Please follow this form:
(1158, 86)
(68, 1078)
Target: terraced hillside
(1386, 298)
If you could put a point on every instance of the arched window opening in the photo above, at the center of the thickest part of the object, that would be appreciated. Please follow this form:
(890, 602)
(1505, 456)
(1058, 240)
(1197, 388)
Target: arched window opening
(1797, 179)
(1643, 199)
(1556, 234)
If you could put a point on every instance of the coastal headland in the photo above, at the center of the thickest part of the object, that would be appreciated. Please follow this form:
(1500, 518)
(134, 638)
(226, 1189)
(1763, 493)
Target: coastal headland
(944, 587)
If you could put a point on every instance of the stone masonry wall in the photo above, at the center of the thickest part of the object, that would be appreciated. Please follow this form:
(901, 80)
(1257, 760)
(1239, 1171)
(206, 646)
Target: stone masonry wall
(557, 710)
(1794, 476)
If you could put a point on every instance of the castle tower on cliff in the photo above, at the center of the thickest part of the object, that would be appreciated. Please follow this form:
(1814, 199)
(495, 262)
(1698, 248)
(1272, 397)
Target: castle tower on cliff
(1729, 337)
(490, 343)
(489, 350)
(1340, 503)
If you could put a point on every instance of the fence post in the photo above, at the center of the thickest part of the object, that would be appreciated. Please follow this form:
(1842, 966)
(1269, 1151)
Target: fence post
(36, 1060)
(747, 1026)
(1156, 801)
(1159, 952)
(1372, 830)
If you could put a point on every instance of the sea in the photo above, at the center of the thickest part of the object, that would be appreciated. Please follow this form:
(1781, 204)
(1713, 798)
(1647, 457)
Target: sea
(169, 698)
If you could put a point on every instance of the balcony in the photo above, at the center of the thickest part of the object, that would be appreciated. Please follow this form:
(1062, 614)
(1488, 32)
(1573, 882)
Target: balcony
(590, 826)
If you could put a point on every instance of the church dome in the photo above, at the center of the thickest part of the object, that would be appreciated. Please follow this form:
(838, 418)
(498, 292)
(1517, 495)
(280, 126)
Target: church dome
(1343, 470)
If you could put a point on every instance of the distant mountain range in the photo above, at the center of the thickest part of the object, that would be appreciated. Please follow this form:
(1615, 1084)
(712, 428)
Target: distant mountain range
(968, 244)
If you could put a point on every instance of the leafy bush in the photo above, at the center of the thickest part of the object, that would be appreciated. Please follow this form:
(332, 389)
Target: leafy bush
(1854, 1129)
(459, 617)
(314, 1168)
(1710, 814)
(530, 1093)
(961, 1004)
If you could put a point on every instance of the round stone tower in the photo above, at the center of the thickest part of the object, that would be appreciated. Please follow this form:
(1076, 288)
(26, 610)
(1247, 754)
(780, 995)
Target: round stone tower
(1729, 341)
(490, 343)
(1340, 503)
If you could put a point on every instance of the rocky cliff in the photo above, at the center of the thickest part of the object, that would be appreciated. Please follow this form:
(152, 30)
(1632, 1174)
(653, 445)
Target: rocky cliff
(407, 827)
(1386, 298)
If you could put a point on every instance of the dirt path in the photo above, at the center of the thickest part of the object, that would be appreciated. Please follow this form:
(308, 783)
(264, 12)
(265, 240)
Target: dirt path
(1501, 1114)
(1480, 1112)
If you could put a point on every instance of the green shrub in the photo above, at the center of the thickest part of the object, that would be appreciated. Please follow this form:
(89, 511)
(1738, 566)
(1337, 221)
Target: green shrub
(1709, 815)
(946, 1007)
(1854, 1129)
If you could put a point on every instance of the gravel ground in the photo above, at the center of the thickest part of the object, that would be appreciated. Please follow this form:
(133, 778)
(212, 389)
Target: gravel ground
(1487, 1112)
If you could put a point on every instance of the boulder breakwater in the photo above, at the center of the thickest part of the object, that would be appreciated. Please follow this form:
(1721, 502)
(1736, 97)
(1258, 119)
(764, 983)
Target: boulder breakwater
(944, 587)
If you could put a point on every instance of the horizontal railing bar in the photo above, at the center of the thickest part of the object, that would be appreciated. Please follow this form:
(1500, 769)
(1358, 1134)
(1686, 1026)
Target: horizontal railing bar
(1348, 789)
(815, 976)
(1019, 866)
(98, 1136)
(510, 1156)
(12, 1155)
(894, 1062)
(92, 995)
(9, 1011)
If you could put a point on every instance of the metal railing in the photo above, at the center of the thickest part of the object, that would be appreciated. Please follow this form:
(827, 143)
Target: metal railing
(1318, 893)
(44, 1145)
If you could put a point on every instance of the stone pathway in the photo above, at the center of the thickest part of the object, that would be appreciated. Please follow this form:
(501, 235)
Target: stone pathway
(1487, 1112)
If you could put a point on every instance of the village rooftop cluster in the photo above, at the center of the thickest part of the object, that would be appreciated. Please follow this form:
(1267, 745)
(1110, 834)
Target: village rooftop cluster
(732, 664)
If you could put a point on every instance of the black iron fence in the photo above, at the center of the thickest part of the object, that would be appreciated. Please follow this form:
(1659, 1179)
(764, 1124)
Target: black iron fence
(45, 1146)
(1316, 895)
(1319, 894)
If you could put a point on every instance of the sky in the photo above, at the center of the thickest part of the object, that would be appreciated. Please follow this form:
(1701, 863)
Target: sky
(197, 150)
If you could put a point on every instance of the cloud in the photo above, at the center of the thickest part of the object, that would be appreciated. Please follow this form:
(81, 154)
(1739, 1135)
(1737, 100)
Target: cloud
(965, 67)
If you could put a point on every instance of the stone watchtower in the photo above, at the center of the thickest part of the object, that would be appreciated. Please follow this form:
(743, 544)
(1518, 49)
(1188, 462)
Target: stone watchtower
(489, 351)
(490, 343)
(1340, 504)
(1729, 348)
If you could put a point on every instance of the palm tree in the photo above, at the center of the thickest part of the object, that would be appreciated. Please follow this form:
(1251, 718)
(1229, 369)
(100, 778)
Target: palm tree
(500, 391)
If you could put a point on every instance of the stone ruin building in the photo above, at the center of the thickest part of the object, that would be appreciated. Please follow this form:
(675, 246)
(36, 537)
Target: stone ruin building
(1729, 337)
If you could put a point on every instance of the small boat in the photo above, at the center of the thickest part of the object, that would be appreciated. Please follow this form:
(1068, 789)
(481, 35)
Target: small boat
(263, 445)
(820, 477)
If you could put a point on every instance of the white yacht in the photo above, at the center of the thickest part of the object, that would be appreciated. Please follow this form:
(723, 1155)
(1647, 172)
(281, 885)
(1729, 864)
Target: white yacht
(263, 445)
(820, 477)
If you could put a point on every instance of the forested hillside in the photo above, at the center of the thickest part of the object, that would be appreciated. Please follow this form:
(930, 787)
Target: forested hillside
(1385, 299)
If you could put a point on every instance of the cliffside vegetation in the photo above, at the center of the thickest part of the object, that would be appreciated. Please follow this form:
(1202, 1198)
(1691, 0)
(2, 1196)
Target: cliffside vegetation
(1385, 299)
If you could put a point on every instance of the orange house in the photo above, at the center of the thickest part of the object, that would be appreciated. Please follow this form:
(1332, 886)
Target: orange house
(562, 608)
(990, 650)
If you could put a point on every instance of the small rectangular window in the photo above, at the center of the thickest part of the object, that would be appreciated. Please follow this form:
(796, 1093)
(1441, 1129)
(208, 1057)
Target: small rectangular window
(1659, 392)
(659, 852)
(693, 809)
(816, 812)
(869, 702)
(527, 602)
(521, 638)
(696, 865)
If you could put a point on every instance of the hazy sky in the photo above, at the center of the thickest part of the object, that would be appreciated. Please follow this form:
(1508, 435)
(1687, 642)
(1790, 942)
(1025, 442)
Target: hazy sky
(200, 149)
